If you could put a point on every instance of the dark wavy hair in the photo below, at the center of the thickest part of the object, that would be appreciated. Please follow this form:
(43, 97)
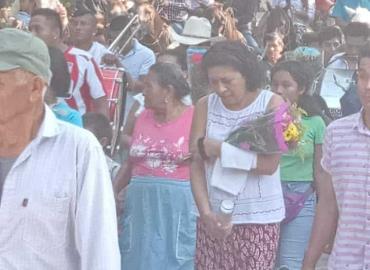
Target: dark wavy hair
(171, 74)
(236, 55)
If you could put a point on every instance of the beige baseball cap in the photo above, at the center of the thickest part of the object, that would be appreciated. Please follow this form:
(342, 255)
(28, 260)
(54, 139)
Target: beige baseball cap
(19, 49)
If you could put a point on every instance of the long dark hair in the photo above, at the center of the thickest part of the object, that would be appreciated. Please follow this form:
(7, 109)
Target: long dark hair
(303, 75)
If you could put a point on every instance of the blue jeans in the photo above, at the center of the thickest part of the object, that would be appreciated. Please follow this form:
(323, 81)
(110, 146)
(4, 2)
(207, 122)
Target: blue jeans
(295, 235)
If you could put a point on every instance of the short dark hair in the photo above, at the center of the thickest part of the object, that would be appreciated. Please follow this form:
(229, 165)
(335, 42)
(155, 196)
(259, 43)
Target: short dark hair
(119, 22)
(364, 52)
(171, 74)
(310, 37)
(356, 29)
(81, 11)
(98, 124)
(331, 32)
(236, 55)
(61, 80)
(52, 16)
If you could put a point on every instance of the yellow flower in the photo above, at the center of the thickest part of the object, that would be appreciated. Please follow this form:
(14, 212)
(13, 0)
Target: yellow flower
(291, 133)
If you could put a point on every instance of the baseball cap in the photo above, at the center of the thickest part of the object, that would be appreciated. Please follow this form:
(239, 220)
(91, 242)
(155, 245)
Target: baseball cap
(19, 49)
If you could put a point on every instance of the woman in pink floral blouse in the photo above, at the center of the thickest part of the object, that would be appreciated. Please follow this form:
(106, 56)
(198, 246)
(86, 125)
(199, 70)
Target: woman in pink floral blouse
(157, 224)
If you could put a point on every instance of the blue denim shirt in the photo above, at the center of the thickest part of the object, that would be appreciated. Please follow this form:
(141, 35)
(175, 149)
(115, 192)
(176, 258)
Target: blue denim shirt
(138, 61)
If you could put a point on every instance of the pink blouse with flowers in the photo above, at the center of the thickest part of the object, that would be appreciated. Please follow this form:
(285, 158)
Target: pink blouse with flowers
(159, 149)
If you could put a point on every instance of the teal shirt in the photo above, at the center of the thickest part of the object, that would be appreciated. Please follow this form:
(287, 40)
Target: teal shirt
(340, 12)
(297, 165)
(65, 113)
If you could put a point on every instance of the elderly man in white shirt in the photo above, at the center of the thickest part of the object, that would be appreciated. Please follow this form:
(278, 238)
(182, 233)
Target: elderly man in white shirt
(57, 208)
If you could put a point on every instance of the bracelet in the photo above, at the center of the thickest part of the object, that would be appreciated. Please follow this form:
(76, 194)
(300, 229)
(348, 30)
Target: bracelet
(201, 150)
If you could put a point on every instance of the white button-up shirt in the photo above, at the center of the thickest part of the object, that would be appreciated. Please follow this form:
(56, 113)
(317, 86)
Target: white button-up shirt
(57, 209)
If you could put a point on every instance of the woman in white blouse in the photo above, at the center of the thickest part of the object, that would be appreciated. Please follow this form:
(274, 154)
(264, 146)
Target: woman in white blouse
(220, 171)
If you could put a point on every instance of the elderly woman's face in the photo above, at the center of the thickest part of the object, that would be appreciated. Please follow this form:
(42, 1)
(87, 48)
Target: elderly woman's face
(15, 94)
(155, 95)
(228, 83)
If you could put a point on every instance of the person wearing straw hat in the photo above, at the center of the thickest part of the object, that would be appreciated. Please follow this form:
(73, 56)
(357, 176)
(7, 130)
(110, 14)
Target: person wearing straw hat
(197, 30)
(57, 207)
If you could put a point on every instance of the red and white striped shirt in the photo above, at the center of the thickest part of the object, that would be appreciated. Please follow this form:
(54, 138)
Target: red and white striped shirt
(86, 79)
(346, 156)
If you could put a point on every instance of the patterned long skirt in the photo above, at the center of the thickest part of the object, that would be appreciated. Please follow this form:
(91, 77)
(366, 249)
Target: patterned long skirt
(249, 247)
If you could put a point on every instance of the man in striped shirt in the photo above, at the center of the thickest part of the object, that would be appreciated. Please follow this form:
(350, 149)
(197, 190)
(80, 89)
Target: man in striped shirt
(345, 215)
(87, 90)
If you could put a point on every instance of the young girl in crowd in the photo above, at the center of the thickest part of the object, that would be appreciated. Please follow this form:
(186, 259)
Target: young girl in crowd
(300, 168)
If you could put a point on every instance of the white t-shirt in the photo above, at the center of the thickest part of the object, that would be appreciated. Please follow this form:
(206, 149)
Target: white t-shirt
(97, 51)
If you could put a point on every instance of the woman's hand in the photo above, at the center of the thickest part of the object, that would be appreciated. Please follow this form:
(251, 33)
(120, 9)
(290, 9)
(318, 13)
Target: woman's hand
(217, 226)
(212, 147)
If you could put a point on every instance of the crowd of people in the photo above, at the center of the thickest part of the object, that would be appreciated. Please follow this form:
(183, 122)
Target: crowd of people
(144, 177)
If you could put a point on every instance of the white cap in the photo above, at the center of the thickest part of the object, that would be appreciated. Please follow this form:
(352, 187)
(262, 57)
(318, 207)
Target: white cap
(227, 206)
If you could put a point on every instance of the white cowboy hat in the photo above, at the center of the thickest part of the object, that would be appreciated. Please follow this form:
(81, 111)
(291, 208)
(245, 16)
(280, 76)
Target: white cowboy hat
(196, 30)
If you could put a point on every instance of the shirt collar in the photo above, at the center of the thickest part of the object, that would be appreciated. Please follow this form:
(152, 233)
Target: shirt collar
(49, 126)
(359, 123)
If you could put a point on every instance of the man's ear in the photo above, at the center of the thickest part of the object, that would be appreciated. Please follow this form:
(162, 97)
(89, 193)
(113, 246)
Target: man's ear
(37, 91)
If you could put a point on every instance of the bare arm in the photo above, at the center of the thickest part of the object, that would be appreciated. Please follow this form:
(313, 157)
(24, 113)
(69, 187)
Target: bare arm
(266, 164)
(129, 125)
(123, 177)
(100, 105)
(326, 217)
(198, 179)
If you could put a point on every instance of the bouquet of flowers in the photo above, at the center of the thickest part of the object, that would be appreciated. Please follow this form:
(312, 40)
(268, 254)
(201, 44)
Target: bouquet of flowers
(276, 131)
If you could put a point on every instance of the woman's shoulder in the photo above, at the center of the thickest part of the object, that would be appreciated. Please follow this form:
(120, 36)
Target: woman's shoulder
(274, 101)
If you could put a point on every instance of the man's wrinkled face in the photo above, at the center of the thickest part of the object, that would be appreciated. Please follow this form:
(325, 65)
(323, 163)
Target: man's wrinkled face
(16, 95)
